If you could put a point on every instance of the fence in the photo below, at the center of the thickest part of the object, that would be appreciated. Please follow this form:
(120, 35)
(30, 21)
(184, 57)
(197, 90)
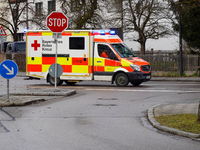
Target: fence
(167, 62)
(159, 62)
(20, 60)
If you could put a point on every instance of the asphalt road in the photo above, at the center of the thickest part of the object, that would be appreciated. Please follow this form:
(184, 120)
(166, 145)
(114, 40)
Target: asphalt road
(100, 116)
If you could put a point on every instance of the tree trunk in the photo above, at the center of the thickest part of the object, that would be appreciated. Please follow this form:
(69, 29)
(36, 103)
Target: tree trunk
(142, 48)
(199, 113)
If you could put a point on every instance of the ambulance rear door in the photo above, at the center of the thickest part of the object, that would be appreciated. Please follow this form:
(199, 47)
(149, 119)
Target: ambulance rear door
(34, 54)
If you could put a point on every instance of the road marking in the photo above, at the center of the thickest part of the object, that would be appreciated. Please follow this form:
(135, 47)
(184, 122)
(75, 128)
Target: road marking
(129, 90)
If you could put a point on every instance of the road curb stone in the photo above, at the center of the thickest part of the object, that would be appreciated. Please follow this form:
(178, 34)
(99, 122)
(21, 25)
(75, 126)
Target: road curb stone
(157, 125)
(23, 98)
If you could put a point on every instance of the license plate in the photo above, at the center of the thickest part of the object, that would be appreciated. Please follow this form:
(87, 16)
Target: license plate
(148, 77)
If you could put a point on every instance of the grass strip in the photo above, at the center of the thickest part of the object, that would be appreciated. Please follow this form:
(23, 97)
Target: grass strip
(183, 122)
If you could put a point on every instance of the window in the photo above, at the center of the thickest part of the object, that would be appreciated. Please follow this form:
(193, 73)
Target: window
(74, 5)
(14, 1)
(105, 52)
(123, 50)
(38, 9)
(51, 6)
(77, 43)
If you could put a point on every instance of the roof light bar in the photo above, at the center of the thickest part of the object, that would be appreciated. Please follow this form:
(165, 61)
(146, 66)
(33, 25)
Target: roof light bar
(102, 32)
(112, 32)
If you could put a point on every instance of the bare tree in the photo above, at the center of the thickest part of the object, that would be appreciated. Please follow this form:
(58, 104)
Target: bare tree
(16, 11)
(21, 13)
(148, 18)
(81, 13)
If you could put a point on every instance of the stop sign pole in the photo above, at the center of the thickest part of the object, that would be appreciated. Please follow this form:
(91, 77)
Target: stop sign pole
(56, 22)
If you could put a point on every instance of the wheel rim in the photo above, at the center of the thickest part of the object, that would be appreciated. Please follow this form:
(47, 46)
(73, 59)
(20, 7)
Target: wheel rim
(52, 80)
(121, 80)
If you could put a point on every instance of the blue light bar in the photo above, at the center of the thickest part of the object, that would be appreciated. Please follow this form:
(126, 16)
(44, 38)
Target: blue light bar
(112, 32)
(102, 32)
(25, 30)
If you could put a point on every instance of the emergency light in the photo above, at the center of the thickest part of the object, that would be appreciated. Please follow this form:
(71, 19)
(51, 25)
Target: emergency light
(25, 30)
(102, 32)
(112, 32)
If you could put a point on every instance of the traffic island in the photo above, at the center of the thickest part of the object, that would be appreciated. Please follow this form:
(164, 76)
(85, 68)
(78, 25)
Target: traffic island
(35, 95)
(168, 109)
(19, 100)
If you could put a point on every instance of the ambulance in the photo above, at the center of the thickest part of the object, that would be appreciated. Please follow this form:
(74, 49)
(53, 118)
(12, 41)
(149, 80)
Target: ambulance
(97, 55)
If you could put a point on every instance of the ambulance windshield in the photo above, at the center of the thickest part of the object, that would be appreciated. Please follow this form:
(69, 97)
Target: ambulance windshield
(123, 50)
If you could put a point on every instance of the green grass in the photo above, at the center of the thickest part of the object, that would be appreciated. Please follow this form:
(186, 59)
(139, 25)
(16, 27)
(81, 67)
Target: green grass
(183, 122)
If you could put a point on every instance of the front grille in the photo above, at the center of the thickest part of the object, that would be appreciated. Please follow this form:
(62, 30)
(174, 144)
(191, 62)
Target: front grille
(146, 68)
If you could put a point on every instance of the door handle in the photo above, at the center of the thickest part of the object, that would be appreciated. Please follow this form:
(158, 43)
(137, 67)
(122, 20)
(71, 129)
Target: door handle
(99, 61)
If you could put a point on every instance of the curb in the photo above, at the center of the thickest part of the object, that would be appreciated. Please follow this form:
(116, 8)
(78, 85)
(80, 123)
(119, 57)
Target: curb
(189, 79)
(20, 99)
(54, 93)
(157, 125)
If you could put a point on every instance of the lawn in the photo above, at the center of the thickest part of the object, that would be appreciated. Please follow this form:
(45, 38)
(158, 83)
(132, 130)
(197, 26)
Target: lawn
(184, 122)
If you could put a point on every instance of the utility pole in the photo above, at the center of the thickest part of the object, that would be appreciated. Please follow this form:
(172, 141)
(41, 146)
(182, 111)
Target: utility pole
(27, 14)
(180, 45)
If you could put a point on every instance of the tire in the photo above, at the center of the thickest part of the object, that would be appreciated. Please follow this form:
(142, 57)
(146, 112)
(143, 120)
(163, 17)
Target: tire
(136, 83)
(121, 79)
(52, 80)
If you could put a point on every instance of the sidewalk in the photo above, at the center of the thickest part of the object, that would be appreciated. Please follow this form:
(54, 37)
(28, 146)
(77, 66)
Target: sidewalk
(188, 79)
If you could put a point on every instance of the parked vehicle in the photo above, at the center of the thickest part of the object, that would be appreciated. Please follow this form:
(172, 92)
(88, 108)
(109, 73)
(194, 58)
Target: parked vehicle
(16, 47)
(3, 46)
(84, 55)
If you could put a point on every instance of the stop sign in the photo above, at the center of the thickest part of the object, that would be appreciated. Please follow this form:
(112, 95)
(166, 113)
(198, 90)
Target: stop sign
(57, 22)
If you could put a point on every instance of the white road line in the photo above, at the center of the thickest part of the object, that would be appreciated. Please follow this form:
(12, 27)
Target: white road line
(129, 90)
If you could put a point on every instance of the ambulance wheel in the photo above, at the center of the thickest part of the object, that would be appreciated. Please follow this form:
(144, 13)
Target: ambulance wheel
(121, 79)
(136, 83)
(52, 80)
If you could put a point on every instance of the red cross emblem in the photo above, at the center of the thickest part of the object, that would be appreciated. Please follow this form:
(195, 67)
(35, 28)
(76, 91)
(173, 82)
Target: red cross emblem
(35, 45)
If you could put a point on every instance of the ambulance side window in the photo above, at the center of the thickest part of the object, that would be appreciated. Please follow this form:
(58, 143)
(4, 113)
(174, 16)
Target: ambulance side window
(77, 43)
(105, 52)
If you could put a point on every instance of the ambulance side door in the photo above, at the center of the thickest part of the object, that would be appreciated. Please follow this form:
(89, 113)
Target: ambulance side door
(105, 62)
(78, 51)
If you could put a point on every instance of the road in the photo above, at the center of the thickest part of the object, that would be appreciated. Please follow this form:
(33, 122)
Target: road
(100, 116)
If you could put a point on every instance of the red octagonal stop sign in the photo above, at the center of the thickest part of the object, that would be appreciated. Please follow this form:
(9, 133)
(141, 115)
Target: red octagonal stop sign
(57, 22)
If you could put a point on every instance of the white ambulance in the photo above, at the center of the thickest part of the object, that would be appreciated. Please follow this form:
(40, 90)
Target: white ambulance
(84, 55)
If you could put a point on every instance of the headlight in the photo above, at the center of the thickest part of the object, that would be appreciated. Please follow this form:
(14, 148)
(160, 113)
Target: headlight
(135, 67)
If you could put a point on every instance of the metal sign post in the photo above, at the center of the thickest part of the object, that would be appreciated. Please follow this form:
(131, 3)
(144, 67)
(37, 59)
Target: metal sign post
(8, 90)
(56, 22)
(56, 60)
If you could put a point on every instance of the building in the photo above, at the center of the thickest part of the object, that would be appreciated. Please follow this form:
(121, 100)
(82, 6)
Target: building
(108, 15)
(3, 4)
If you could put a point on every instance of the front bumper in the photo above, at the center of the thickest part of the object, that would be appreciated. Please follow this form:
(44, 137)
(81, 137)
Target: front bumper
(139, 76)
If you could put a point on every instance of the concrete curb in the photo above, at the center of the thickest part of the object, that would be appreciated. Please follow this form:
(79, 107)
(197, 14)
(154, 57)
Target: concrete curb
(54, 93)
(167, 129)
(20, 99)
(188, 79)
